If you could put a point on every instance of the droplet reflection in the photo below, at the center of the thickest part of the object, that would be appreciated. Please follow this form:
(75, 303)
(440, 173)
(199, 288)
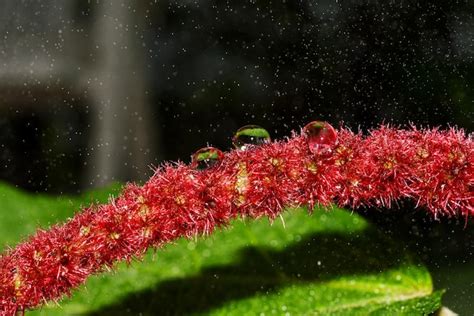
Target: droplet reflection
(250, 135)
(206, 157)
(321, 136)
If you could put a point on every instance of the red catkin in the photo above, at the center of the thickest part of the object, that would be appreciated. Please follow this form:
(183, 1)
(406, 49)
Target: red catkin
(432, 167)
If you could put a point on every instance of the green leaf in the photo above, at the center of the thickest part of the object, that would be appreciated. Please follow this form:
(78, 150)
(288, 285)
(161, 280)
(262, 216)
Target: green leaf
(332, 262)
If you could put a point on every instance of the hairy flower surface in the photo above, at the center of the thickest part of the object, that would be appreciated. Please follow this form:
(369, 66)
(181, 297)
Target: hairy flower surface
(435, 168)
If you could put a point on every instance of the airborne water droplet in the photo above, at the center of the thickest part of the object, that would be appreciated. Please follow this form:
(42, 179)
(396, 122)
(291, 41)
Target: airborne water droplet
(250, 135)
(321, 136)
(206, 157)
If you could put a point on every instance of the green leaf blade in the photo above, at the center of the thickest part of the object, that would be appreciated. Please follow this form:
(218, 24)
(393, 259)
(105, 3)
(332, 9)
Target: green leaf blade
(327, 263)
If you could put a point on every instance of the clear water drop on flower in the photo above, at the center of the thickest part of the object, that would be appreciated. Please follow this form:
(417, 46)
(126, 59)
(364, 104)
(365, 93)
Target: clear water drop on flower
(206, 157)
(321, 136)
(250, 135)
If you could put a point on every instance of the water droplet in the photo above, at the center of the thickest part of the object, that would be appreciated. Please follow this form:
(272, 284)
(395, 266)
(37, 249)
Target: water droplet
(206, 157)
(250, 135)
(321, 136)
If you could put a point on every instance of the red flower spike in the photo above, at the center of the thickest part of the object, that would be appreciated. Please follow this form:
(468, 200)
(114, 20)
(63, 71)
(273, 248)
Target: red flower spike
(434, 168)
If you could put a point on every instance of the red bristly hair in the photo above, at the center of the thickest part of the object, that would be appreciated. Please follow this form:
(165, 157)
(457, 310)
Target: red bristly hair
(432, 167)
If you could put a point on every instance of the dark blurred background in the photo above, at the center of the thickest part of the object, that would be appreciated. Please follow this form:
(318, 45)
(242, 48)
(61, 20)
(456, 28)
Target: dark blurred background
(97, 91)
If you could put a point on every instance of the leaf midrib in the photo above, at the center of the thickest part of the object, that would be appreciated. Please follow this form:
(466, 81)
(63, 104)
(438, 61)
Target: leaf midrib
(386, 300)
